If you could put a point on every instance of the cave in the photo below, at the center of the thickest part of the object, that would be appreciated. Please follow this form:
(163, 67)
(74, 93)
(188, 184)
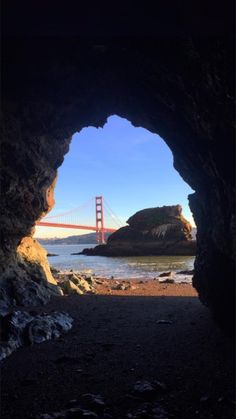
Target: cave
(180, 87)
(170, 70)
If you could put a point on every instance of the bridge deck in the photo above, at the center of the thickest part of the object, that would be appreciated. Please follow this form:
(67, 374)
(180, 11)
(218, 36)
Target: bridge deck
(76, 226)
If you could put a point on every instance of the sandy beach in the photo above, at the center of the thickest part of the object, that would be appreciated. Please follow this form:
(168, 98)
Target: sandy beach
(150, 351)
(148, 288)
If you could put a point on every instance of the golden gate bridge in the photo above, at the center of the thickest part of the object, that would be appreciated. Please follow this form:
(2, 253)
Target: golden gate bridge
(64, 220)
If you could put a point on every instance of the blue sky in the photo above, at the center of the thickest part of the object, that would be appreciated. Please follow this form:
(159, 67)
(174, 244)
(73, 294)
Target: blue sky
(131, 167)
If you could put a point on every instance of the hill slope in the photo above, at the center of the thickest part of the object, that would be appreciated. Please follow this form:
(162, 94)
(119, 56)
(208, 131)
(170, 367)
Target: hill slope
(82, 239)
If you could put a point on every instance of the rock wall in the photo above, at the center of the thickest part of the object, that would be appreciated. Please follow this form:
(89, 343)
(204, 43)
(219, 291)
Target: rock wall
(151, 231)
(181, 87)
(26, 278)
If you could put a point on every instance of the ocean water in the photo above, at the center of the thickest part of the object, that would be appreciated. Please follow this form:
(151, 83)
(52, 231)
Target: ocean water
(141, 267)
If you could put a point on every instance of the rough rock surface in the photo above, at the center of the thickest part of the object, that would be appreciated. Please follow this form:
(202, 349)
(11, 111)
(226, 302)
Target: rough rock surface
(27, 280)
(87, 405)
(177, 82)
(75, 283)
(33, 256)
(22, 328)
(152, 231)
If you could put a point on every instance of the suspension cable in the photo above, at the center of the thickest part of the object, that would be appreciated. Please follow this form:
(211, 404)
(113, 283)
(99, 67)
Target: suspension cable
(62, 214)
(114, 216)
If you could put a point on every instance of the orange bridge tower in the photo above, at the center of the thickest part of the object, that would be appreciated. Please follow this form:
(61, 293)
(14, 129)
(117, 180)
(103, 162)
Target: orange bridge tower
(99, 219)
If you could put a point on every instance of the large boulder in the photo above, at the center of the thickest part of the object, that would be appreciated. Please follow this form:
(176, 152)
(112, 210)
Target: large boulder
(26, 328)
(151, 231)
(34, 257)
(28, 279)
(25, 277)
(74, 283)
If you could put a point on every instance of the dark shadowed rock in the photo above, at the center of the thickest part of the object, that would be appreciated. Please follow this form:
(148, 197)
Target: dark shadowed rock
(88, 405)
(94, 401)
(72, 413)
(188, 272)
(22, 328)
(163, 274)
(147, 389)
(166, 280)
(152, 231)
(149, 411)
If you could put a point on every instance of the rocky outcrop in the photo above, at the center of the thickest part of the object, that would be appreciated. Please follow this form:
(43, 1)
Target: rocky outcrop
(152, 231)
(22, 328)
(75, 283)
(178, 82)
(19, 327)
(27, 280)
(25, 275)
(33, 257)
(87, 405)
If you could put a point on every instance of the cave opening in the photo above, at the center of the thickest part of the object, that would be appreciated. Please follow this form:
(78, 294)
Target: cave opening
(45, 153)
(74, 84)
(132, 169)
(172, 71)
(170, 339)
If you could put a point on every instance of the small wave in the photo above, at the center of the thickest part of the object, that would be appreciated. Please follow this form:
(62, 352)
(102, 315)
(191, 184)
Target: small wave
(136, 267)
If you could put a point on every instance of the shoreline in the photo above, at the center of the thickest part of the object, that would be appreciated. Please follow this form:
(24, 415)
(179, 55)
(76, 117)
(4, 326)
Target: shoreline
(141, 267)
(170, 277)
(149, 288)
(20, 319)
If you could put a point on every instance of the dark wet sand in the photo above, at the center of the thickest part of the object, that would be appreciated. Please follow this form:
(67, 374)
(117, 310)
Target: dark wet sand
(115, 341)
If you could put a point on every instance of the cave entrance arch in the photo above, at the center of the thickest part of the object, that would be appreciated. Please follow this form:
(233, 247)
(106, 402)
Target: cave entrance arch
(133, 169)
(181, 89)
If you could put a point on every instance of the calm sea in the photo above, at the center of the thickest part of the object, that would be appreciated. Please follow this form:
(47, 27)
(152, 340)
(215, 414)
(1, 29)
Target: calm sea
(142, 267)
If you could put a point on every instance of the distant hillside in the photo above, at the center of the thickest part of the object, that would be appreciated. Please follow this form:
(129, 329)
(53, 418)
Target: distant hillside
(86, 239)
(83, 239)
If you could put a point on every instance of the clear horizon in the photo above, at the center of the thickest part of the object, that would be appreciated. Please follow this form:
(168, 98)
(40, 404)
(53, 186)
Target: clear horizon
(131, 167)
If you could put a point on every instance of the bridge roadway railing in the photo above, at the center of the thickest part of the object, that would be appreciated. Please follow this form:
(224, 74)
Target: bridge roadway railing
(76, 226)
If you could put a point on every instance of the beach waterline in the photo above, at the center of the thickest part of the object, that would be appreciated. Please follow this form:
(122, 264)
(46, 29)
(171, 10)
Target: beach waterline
(139, 267)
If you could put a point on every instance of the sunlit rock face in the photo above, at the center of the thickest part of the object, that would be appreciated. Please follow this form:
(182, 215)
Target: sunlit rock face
(31, 254)
(26, 277)
(152, 231)
(179, 87)
(163, 223)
